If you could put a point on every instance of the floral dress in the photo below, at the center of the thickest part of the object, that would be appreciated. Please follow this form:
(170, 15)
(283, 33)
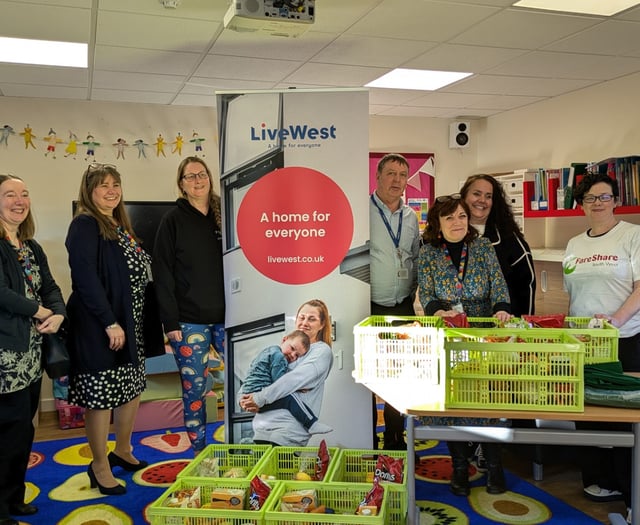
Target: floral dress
(112, 388)
(20, 369)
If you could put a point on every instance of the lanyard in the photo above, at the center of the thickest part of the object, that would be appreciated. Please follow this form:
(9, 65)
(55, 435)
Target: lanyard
(461, 266)
(395, 238)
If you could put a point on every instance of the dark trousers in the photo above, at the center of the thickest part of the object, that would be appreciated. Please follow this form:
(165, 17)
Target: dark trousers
(610, 468)
(17, 411)
(393, 420)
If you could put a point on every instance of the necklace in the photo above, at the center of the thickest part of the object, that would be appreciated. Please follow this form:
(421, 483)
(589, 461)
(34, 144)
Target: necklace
(132, 242)
(23, 258)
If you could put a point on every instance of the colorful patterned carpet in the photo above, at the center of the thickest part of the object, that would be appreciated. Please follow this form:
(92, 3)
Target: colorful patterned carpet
(59, 486)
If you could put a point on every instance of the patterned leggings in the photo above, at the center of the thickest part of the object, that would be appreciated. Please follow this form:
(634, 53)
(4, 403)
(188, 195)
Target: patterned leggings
(192, 358)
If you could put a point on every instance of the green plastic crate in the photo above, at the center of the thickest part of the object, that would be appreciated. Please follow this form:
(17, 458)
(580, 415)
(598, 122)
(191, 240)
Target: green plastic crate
(600, 344)
(247, 457)
(385, 348)
(526, 369)
(358, 466)
(343, 498)
(159, 513)
(282, 463)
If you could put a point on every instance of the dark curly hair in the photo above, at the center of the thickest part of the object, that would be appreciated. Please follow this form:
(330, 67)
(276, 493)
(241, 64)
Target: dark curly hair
(591, 179)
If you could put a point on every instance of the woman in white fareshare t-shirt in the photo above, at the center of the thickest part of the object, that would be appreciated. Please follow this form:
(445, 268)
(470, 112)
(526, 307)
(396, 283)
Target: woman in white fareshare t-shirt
(602, 275)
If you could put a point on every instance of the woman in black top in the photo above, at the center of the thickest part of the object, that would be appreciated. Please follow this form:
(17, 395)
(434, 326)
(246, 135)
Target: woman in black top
(31, 304)
(187, 266)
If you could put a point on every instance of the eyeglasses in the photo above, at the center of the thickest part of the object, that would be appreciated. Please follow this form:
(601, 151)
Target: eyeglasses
(590, 199)
(190, 177)
(447, 198)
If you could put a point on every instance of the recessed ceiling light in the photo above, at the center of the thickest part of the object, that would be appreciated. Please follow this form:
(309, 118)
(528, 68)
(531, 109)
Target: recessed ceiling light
(43, 52)
(421, 79)
(588, 7)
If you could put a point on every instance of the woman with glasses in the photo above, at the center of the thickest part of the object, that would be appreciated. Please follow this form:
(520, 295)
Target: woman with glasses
(458, 272)
(31, 304)
(187, 266)
(601, 270)
(110, 272)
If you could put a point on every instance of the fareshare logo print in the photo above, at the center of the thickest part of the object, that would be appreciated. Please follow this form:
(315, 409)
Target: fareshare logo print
(295, 225)
(569, 264)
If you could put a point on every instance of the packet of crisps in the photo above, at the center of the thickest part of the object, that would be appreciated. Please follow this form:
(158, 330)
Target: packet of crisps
(389, 469)
(323, 460)
(258, 493)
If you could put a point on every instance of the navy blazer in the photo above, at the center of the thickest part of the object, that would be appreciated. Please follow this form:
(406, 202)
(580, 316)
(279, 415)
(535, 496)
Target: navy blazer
(101, 296)
(16, 310)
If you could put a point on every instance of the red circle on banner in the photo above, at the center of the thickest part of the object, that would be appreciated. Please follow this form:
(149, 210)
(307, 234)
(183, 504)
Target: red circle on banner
(295, 225)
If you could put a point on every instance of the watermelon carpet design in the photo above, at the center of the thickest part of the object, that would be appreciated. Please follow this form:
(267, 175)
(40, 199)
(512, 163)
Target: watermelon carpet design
(58, 484)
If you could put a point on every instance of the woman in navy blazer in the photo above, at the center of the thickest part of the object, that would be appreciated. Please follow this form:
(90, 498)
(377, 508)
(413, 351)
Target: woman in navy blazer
(110, 273)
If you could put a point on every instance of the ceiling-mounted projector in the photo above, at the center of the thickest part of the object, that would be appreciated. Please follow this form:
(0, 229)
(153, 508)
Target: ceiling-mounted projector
(289, 18)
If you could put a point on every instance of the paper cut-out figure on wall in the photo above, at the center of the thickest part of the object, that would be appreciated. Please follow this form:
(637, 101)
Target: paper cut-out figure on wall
(91, 145)
(195, 138)
(159, 144)
(141, 144)
(52, 141)
(28, 135)
(72, 146)
(178, 144)
(120, 144)
(4, 134)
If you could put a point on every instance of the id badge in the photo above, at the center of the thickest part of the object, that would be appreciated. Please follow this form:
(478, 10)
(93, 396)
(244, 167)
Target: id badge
(403, 273)
(458, 308)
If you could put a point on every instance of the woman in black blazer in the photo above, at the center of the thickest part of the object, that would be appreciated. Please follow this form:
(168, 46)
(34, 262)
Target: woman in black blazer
(31, 304)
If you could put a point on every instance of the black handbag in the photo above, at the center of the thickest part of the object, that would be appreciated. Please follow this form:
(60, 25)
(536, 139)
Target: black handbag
(55, 356)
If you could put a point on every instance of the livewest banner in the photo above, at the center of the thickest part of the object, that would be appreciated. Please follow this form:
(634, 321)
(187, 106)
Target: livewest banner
(294, 184)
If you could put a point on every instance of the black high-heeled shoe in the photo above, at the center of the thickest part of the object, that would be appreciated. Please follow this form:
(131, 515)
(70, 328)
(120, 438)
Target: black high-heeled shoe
(118, 490)
(117, 461)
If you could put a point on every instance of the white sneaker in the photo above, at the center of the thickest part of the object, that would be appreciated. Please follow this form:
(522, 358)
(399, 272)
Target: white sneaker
(629, 515)
(598, 494)
(319, 428)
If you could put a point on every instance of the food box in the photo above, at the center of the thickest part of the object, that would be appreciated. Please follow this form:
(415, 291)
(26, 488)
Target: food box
(341, 498)
(237, 461)
(399, 349)
(527, 369)
(358, 466)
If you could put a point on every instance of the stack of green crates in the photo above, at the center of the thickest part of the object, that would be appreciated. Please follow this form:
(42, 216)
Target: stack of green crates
(514, 369)
(245, 457)
(342, 498)
(159, 513)
(283, 463)
(358, 466)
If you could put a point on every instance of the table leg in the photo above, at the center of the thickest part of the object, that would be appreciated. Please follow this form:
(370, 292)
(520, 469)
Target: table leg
(635, 476)
(413, 517)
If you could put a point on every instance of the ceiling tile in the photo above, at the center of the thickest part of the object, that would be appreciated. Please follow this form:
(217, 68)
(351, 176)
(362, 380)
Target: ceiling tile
(568, 65)
(522, 86)
(113, 58)
(155, 32)
(521, 29)
(371, 51)
(454, 57)
(608, 38)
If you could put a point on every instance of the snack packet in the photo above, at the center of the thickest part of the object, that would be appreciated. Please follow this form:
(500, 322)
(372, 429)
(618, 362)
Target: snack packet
(370, 505)
(545, 321)
(323, 460)
(209, 468)
(389, 469)
(258, 493)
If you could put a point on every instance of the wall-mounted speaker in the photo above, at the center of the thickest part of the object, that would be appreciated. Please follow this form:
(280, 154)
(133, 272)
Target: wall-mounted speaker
(459, 134)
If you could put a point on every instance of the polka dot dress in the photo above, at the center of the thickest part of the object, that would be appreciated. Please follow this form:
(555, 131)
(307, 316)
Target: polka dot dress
(112, 388)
